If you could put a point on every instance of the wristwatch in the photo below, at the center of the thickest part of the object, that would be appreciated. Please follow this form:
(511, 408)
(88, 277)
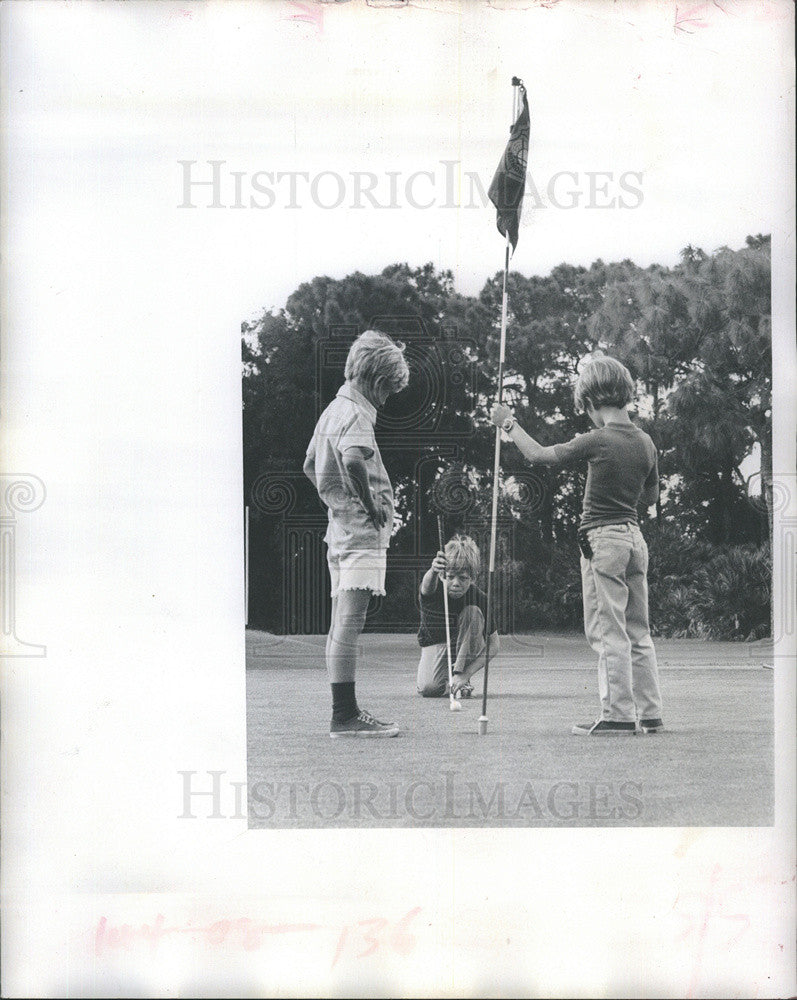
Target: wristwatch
(508, 424)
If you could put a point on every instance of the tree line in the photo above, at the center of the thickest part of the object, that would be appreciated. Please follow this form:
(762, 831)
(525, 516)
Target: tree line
(696, 338)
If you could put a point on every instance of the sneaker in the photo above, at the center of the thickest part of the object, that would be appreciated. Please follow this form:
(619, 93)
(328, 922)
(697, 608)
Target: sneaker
(650, 726)
(603, 727)
(362, 724)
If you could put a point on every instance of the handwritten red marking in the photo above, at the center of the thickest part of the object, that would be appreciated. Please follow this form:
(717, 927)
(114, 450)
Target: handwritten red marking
(691, 16)
(365, 938)
(373, 941)
(344, 933)
(744, 920)
(312, 15)
(99, 935)
(726, 929)
(215, 934)
(708, 907)
(401, 940)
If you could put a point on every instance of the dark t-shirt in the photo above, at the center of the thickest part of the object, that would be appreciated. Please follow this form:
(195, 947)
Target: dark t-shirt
(623, 469)
(433, 618)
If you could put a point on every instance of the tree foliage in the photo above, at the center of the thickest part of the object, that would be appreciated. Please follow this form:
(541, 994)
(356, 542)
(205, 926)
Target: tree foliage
(696, 337)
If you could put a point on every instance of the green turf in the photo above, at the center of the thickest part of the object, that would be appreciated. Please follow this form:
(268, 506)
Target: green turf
(712, 767)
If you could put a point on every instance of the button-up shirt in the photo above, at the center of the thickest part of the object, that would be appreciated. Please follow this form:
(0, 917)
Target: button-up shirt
(346, 424)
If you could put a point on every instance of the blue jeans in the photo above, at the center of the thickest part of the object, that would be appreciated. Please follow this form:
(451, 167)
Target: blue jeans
(615, 588)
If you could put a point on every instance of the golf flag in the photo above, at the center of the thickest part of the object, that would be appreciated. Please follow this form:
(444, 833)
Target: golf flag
(509, 183)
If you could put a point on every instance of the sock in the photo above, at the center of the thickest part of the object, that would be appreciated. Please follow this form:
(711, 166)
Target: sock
(344, 702)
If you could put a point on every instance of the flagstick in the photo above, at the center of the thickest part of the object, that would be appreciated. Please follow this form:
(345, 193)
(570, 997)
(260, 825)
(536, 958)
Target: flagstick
(496, 466)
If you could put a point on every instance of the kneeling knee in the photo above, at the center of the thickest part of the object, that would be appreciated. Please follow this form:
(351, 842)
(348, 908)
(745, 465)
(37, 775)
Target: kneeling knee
(432, 691)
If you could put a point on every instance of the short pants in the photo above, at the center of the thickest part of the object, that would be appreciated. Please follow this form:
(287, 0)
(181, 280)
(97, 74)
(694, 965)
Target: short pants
(361, 569)
(357, 551)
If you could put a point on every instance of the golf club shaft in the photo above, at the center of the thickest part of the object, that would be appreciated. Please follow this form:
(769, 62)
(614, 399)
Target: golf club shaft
(445, 611)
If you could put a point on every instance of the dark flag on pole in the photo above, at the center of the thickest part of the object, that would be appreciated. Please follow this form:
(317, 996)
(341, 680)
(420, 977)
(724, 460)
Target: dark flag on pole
(509, 183)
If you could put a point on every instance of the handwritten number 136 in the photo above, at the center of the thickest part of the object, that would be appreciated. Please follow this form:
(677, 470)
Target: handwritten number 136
(373, 933)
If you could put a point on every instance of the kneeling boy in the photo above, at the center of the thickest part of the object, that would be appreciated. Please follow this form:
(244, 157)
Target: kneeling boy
(467, 614)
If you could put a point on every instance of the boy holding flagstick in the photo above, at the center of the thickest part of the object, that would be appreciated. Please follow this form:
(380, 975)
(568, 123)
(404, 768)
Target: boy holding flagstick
(506, 193)
(622, 474)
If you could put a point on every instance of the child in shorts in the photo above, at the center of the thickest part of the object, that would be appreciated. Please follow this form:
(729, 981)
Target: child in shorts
(458, 565)
(344, 464)
(622, 472)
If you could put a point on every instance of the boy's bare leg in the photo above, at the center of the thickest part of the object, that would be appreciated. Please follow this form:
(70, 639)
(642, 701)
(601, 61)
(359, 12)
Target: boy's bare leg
(331, 631)
(348, 620)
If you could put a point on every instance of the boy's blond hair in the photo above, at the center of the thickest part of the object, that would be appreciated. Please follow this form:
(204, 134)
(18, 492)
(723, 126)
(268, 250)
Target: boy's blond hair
(373, 357)
(463, 553)
(604, 381)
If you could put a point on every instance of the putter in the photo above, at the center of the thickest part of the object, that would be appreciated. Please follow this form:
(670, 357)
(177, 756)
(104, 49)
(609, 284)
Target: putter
(453, 704)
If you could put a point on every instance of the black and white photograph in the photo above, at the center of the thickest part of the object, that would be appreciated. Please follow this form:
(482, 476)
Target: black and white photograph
(400, 498)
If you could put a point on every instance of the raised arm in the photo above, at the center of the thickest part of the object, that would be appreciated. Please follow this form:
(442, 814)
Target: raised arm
(529, 448)
(650, 488)
(431, 577)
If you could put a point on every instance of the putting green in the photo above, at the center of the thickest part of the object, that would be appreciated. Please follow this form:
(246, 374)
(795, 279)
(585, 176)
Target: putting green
(713, 766)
